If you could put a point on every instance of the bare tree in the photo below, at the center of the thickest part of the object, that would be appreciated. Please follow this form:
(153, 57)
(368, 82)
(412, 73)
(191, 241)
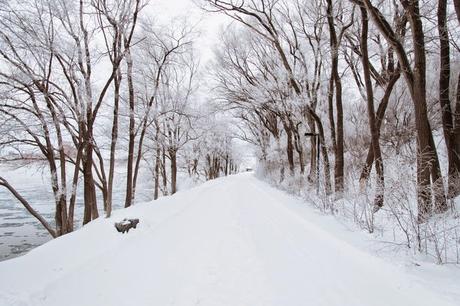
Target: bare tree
(117, 20)
(427, 161)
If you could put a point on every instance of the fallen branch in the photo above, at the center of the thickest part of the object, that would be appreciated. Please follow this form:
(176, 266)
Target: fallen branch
(25, 203)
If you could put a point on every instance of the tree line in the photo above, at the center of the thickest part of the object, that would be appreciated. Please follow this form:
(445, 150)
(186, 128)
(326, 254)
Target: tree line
(84, 84)
(293, 68)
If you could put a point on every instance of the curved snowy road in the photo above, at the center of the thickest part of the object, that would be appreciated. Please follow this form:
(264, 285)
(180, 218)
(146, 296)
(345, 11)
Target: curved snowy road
(233, 241)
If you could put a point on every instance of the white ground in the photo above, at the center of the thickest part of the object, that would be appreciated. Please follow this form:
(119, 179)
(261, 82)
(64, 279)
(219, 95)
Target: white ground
(233, 241)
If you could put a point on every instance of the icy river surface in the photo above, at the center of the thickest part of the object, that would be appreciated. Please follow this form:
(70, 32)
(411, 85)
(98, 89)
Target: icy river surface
(19, 230)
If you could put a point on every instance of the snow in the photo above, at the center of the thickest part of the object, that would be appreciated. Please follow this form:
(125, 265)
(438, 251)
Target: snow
(20, 231)
(231, 241)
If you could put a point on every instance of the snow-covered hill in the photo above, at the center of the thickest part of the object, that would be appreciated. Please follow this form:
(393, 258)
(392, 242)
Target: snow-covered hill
(233, 241)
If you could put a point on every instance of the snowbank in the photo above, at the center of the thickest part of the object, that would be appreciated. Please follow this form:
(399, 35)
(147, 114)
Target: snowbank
(231, 241)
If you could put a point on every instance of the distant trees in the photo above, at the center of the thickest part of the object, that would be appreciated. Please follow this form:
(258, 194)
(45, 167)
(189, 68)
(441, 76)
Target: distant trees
(268, 69)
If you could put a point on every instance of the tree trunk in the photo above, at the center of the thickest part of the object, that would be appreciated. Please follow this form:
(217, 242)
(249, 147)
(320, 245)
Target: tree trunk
(90, 211)
(325, 156)
(298, 147)
(157, 166)
(301, 162)
(379, 118)
(330, 102)
(380, 180)
(113, 143)
(312, 175)
(226, 164)
(427, 161)
(173, 157)
(456, 129)
(444, 100)
(129, 174)
(73, 196)
(163, 172)
(339, 145)
(429, 164)
(290, 150)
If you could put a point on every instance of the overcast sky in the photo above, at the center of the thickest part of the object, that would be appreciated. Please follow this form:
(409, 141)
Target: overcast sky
(209, 24)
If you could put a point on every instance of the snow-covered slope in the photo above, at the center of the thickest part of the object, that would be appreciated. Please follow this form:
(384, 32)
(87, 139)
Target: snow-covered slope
(233, 241)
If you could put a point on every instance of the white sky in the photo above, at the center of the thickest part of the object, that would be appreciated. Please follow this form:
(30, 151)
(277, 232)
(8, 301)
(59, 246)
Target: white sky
(209, 24)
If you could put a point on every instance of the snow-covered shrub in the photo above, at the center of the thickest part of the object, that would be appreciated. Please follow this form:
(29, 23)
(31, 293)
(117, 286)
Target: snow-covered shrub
(396, 223)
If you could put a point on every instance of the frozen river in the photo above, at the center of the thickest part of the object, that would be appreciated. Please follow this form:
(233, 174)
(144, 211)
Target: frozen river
(19, 231)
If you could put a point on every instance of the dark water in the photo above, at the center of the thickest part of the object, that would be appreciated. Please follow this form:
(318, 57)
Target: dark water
(20, 232)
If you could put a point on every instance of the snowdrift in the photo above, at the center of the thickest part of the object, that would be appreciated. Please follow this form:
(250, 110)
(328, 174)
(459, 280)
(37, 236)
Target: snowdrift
(233, 241)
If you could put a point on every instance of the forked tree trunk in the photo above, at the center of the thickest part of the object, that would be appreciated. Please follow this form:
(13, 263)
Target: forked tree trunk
(379, 118)
(427, 159)
(429, 164)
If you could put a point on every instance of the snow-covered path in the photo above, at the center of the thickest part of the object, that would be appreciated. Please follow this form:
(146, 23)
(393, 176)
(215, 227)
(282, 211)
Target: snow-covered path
(233, 241)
